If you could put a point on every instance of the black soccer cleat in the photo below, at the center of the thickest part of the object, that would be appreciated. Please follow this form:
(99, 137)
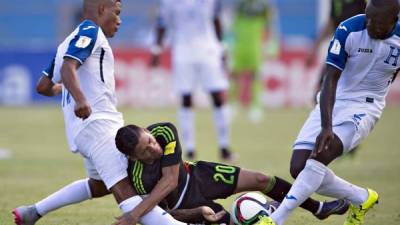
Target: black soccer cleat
(337, 207)
(190, 156)
(228, 156)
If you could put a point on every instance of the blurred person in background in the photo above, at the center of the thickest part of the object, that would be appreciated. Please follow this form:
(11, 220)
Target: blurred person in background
(197, 58)
(340, 11)
(251, 26)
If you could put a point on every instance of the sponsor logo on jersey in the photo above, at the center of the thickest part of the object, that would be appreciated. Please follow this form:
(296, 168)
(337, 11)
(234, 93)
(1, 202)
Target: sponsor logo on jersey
(83, 42)
(365, 50)
(335, 49)
(341, 27)
(88, 27)
(170, 148)
(290, 197)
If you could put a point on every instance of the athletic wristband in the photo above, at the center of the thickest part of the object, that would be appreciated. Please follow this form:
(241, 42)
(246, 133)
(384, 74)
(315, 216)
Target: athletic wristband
(130, 203)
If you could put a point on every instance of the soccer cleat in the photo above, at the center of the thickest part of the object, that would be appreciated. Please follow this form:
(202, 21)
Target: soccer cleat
(25, 215)
(265, 220)
(337, 207)
(357, 213)
(190, 156)
(228, 156)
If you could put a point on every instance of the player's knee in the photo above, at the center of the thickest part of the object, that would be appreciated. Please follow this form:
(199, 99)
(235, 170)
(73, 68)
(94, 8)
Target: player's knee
(298, 161)
(262, 180)
(187, 101)
(97, 188)
(218, 98)
(295, 170)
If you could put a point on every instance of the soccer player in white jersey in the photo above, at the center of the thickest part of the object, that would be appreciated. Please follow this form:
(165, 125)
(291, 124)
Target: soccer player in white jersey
(84, 63)
(197, 56)
(363, 60)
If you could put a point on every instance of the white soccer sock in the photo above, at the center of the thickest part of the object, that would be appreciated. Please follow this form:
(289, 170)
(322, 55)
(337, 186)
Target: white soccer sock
(155, 216)
(307, 182)
(336, 187)
(73, 193)
(186, 122)
(221, 119)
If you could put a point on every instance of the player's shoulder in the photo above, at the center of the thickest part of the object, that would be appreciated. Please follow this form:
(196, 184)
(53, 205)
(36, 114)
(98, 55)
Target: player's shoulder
(162, 126)
(354, 24)
(166, 129)
(88, 28)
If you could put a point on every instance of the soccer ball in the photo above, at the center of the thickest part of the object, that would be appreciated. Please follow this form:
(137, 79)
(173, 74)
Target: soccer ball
(247, 208)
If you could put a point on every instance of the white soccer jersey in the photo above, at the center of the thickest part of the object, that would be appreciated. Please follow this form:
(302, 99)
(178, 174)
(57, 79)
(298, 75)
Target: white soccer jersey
(368, 65)
(191, 26)
(87, 44)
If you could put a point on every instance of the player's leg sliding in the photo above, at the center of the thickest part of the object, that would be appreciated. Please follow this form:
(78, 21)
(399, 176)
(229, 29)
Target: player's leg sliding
(361, 199)
(357, 212)
(155, 216)
(316, 177)
(25, 215)
(277, 189)
(73, 193)
(304, 186)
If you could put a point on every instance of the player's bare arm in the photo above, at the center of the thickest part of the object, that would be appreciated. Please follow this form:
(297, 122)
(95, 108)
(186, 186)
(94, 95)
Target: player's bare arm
(46, 87)
(187, 215)
(327, 100)
(165, 185)
(71, 82)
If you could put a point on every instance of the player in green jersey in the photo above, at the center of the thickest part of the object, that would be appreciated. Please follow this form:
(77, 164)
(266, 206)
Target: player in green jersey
(251, 22)
(183, 188)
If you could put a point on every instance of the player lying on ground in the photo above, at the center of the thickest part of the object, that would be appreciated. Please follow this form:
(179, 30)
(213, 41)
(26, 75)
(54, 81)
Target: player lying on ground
(157, 170)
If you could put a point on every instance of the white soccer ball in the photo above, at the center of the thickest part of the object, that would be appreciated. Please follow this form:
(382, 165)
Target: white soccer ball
(247, 208)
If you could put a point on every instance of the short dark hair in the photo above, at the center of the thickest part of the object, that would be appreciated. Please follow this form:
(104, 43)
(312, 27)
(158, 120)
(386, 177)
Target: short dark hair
(127, 138)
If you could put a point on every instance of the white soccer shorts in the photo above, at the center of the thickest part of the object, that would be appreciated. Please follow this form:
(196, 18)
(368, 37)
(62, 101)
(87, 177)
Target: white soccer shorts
(103, 161)
(208, 73)
(352, 122)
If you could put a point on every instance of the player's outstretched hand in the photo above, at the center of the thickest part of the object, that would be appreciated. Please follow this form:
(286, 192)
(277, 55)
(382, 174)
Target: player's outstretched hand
(125, 219)
(210, 215)
(323, 141)
(82, 110)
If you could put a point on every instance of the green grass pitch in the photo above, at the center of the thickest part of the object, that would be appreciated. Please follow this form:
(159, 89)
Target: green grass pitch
(41, 163)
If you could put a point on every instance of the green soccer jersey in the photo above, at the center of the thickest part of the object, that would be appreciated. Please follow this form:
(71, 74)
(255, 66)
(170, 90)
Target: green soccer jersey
(144, 176)
(251, 19)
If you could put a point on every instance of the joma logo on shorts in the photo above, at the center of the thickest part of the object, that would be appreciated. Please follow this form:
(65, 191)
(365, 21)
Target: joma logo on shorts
(365, 50)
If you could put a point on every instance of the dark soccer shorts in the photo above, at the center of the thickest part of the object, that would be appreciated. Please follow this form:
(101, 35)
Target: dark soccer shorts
(210, 181)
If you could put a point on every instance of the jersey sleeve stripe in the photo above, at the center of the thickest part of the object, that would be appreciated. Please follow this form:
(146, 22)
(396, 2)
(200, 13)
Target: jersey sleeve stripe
(140, 177)
(171, 133)
(137, 173)
(334, 65)
(73, 57)
(165, 131)
(160, 133)
(101, 64)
